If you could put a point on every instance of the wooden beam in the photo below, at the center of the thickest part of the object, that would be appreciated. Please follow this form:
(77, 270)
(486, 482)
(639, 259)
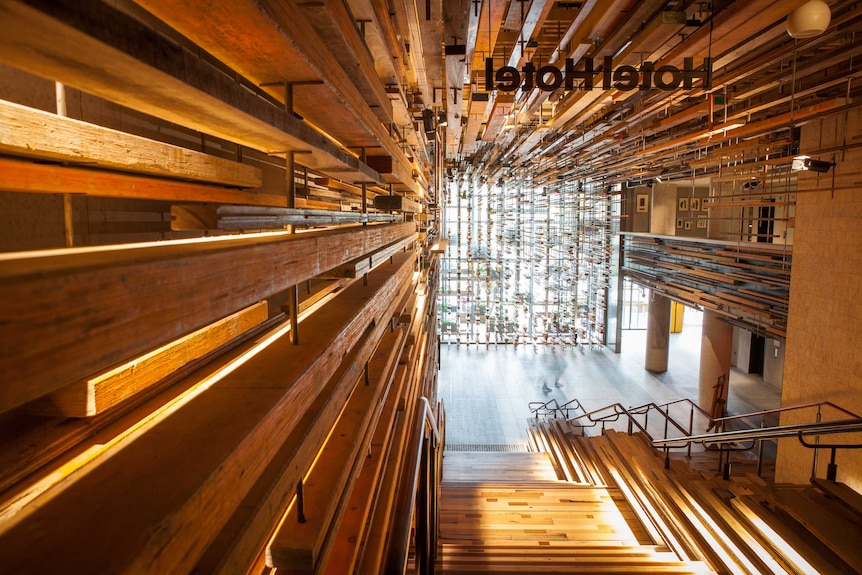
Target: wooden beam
(89, 308)
(365, 264)
(37, 134)
(195, 217)
(90, 397)
(304, 546)
(246, 217)
(274, 42)
(26, 176)
(132, 65)
(351, 532)
(246, 534)
(190, 467)
(397, 204)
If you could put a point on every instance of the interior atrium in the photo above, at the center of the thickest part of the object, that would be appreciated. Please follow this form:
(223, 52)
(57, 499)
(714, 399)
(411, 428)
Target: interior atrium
(239, 240)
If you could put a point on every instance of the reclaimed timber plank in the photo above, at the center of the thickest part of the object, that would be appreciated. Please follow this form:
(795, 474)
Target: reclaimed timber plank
(100, 306)
(174, 482)
(397, 203)
(37, 134)
(245, 535)
(797, 548)
(90, 397)
(348, 541)
(305, 546)
(26, 176)
(363, 265)
(132, 65)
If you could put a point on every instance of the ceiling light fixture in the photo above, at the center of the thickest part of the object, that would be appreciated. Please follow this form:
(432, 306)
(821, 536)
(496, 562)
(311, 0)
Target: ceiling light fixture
(809, 20)
(804, 163)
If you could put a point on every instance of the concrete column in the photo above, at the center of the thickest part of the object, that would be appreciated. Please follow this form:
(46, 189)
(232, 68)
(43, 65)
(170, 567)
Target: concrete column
(716, 348)
(658, 333)
(663, 210)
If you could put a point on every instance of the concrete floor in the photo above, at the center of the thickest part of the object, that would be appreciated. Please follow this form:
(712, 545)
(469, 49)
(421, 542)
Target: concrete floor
(486, 391)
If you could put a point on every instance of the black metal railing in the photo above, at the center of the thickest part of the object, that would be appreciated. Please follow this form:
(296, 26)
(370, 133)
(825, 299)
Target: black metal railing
(552, 409)
(682, 424)
(418, 505)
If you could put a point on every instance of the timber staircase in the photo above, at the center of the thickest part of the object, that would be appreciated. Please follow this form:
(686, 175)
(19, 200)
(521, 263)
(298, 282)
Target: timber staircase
(508, 513)
(612, 503)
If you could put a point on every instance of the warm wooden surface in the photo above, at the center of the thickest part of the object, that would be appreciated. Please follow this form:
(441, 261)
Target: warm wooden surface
(247, 533)
(363, 265)
(26, 176)
(93, 396)
(522, 522)
(37, 134)
(304, 546)
(131, 65)
(276, 42)
(100, 306)
(397, 203)
(160, 494)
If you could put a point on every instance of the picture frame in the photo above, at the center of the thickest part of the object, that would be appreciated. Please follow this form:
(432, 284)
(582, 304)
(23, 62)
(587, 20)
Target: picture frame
(642, 203)
(682, 206)
(701, 222)
(687, 225)
(695, 204)
(679, 223)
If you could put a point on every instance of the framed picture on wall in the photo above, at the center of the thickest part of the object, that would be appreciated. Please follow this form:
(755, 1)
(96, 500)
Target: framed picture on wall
(687, 225)
(704, 205)
(679, 223)
(701, 222)
(642, 202)
(695, 204)
(683, 205)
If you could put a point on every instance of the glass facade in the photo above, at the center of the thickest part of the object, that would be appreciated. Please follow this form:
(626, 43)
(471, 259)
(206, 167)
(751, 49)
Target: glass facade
(528, 264)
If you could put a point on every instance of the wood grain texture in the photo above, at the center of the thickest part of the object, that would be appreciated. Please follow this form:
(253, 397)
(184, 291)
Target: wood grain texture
(159, 496)
(37, 134)
(89, 308)
(305, 546)
(26, 176)
(130, 64)
(93, 396)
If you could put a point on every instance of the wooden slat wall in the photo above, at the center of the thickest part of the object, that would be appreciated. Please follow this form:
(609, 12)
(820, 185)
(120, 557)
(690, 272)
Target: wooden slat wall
(162, 493)
(98, 307)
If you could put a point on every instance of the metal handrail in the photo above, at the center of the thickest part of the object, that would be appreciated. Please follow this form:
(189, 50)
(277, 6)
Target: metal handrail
(552, 407)
(396, 560)
(775, 432)
(721, 435)
(766, 412)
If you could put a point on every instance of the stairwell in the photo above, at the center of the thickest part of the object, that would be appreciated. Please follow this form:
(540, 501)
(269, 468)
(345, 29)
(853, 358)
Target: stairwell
(611, 503)
(509, 513)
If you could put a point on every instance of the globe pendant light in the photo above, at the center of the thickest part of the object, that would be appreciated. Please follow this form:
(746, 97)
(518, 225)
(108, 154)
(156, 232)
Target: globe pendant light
(809, 20)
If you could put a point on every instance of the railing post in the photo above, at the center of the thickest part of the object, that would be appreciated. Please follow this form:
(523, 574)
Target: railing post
(690, 427)
(816, 451)
(725, 474)
(831, 468)
(423, 559)
(760, 449)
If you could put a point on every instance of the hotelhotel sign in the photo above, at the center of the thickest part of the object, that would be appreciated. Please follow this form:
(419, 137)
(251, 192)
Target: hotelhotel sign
(550, 78)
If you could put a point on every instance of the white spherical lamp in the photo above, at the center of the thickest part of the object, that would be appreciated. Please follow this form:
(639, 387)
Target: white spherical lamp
(809, 20)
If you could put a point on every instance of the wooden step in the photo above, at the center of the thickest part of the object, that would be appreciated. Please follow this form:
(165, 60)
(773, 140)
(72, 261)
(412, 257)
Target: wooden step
(496, 466)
